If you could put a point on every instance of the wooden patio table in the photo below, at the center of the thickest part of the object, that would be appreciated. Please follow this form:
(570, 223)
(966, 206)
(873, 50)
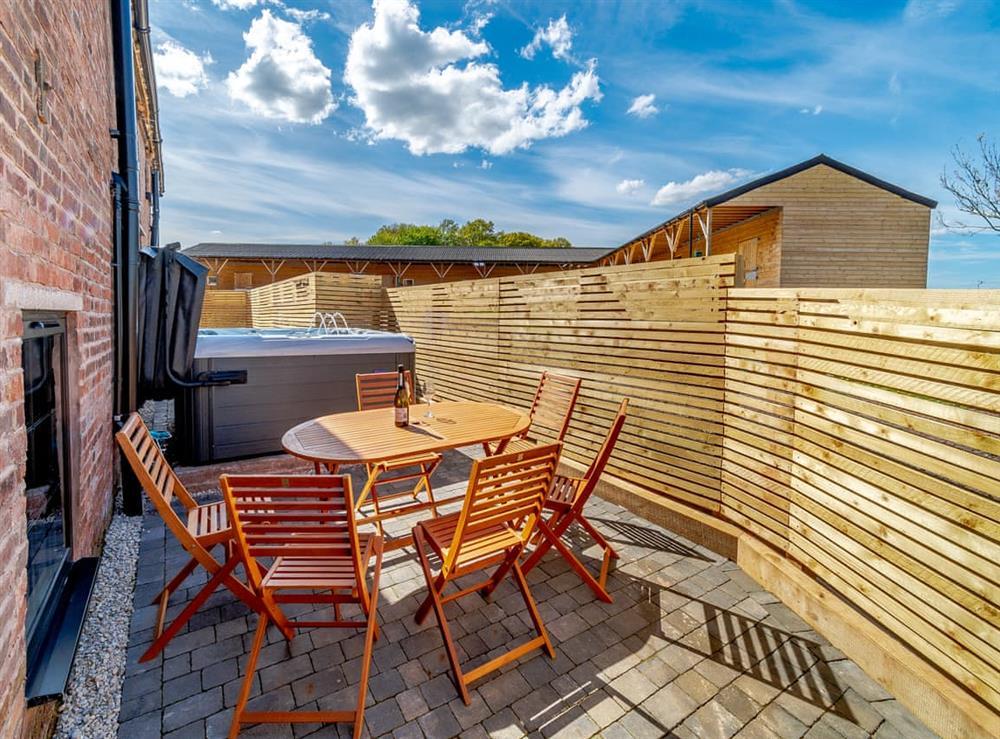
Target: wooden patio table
(370, 437)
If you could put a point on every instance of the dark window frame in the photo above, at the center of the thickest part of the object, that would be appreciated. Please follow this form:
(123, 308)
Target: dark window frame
(41, 324)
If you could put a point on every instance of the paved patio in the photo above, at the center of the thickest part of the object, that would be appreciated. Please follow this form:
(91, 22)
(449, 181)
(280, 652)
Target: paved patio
(691, 647)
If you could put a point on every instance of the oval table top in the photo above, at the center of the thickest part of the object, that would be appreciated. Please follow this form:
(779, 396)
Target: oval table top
(371, 436)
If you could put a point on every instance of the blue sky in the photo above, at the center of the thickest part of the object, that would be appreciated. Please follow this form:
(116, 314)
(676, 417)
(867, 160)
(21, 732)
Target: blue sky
(317, 120)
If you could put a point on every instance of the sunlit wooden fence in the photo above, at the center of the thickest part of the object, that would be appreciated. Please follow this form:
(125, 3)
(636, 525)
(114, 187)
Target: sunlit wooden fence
(295, 301)
(857, 432)
(225, 309)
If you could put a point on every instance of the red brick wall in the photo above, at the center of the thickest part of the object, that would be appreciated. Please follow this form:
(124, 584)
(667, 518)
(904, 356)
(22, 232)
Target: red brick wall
(55, 251)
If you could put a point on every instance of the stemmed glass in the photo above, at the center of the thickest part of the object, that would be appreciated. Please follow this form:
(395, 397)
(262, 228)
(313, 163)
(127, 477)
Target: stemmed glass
(427, 396)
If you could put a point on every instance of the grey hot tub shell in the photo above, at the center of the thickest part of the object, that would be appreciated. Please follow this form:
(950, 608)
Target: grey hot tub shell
(291, 377)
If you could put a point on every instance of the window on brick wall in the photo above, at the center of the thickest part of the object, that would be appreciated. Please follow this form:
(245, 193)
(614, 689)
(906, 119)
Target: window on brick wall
(43, 360)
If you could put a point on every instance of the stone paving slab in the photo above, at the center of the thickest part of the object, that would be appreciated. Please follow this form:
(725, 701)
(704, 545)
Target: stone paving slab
(690, 647)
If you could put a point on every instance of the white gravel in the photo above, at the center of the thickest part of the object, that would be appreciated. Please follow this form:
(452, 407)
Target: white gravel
(93, 697)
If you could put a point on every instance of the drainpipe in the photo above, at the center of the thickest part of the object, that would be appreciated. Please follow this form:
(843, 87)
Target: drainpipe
(154, 221)
(127, 234)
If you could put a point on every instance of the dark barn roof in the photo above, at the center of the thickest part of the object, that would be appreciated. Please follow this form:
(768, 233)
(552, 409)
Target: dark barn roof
(412, 254)
(788, 172)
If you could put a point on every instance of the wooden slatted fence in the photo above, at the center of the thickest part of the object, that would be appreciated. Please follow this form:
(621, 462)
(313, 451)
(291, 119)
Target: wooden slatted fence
(295, 301)
(863, 439)
(226, 309)
(655, 334)
(855, 431)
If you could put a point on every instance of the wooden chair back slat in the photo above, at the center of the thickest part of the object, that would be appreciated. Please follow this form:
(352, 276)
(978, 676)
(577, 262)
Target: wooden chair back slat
(157, 477)
(504, 490)
(378, 389)
(552, 407)
(277, 516)
(597, 466)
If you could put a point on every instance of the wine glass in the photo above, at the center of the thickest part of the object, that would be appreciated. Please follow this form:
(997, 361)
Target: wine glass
(427, 396)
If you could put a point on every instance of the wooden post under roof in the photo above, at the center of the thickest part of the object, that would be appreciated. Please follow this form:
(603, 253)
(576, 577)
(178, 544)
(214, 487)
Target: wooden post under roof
(272, 270)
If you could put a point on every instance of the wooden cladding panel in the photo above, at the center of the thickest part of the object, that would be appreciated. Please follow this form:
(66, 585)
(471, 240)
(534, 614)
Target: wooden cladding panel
(652, 332)
(877, 414)
(226, 309)
(838, 230)
(294, 302)
(857, 431)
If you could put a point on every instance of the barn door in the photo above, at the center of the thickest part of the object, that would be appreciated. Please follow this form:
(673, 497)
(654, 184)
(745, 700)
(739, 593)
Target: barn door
(748, 250)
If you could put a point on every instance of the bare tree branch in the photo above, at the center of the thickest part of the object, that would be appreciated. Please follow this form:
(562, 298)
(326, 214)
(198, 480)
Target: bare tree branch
(975, 185)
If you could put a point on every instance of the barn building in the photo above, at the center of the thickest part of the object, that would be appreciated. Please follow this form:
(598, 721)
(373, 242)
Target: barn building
(819, 223)
(246, 266)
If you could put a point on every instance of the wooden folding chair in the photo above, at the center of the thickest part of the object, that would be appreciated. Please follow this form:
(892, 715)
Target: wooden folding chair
(305, 525)
(502, 504)
(566, 500)
(550, 414)
(205, 527)
(378, 390)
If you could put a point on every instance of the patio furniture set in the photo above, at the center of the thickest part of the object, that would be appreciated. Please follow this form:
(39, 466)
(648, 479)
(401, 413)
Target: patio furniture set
(299, 538)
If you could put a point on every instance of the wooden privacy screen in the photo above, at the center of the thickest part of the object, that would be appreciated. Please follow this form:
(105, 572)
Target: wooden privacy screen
(857, 431)
(653, 333)
(294, 302)
(863, 439)
(225, 309)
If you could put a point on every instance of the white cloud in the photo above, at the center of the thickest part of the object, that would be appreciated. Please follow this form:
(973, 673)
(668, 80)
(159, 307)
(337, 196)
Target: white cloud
(180, 71)
(296, 14)
(895, 86)
(283, 78)
(412, 88)
(815, 110)
(556, 35)
(642, 106)
(630, 187)
(236, 4)
(305, 16)
(919, 10)
(702, 184)
(486, 164)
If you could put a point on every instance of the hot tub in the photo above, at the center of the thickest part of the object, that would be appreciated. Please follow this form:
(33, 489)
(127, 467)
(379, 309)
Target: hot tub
(292, 375)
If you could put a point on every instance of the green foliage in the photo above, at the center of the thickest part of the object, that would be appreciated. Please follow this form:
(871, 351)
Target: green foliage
(402, 234)
(477, 232)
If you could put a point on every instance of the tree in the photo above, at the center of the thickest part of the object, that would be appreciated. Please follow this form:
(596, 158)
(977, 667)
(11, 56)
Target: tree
(406, 234)
(353, 241)
(449, 232)
(975, 184)
(477, 232)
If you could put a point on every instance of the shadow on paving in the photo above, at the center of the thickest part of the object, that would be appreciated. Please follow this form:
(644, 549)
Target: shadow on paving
(690, 647)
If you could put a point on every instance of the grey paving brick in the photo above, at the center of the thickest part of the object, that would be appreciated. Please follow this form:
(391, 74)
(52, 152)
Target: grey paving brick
(713, 721)
(181, 687)
(440, 722)
(669, 706)
(504, 689)
(383, 717)
(146, 726)
(690, 647)
(191, 709)
(284, 672)
(318, 684)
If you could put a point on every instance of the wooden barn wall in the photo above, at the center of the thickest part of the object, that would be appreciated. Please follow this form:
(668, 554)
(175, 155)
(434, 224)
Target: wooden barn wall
(652, 332)
(766, 228)
(863, 439)
(226, 271)
(855, 431)
(294, 302)
(838, 230)
(226, 309)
